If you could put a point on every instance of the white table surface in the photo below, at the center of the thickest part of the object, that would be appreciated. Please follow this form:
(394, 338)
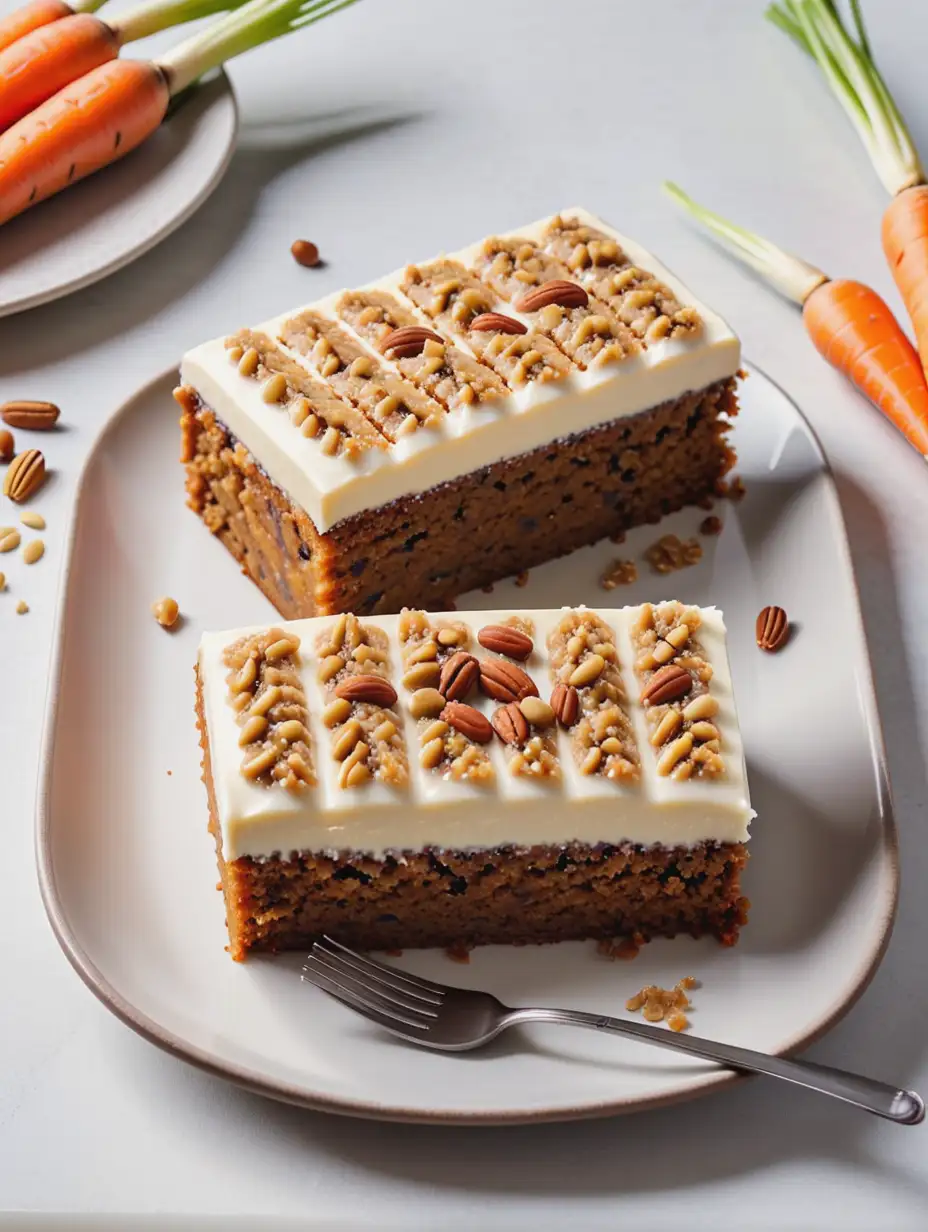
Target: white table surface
(398, 129)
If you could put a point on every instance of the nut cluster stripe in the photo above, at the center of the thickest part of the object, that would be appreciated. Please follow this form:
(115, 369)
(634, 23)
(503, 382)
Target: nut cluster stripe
(367, 732)
(267, 695)
(675, 676)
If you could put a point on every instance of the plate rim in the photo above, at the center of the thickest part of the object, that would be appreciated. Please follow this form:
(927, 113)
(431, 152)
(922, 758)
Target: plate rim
(51, 295)
(289, 1093)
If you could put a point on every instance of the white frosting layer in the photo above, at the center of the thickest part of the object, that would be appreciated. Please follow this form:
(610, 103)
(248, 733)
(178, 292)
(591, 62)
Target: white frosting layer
(437, 812)
(330, 489)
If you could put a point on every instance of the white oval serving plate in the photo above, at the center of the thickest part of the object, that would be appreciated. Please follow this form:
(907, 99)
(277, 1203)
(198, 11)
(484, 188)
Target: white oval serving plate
(108, 220)
(127, 868)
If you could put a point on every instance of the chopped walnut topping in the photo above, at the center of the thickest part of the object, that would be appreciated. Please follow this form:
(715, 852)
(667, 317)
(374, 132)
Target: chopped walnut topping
(711, 525)
(686, 742)
(394, 405)
(583, 655)
(427, 646)
(446, 372)
(641, 301)
(664, 1004)
(669, 553)
(453, 297)
(618, 573)
(315, 409)
(267, 695)
(590, 335)
(367, 737)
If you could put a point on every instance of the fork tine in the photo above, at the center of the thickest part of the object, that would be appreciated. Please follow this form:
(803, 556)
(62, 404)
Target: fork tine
(403, 976)
(369, 997)
(387, 1021)
(360, 985)
(370, 970)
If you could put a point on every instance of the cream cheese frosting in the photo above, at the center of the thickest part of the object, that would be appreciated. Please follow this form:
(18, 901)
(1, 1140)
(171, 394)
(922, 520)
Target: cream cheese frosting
(433, 810)
(523, 417)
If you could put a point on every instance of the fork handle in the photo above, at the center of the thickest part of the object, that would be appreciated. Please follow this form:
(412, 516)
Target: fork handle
(895, 1104)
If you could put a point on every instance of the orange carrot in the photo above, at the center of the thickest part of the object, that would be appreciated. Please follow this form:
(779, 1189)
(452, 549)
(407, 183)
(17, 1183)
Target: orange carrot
(114, 107)
(854, 329)
(847, 62)
(47, 59)
(905, 243)
(849, 324)
(50, 58)
(30, 17)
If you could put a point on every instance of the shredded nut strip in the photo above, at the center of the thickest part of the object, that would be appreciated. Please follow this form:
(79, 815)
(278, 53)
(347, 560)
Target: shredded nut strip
(394, 405)
(590, 335)
(583, 654)
(449, 374)
(642, 302)
(367, 738)
(684, 737)
(266, 692)
(442, 749)
(452, 296)
(313, 407)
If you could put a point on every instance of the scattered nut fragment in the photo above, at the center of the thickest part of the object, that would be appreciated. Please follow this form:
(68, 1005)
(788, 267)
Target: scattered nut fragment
(536, 711)
(521, 579)
(9, 538)
(468, 721)
(565, 702)
(305, 253)
(6, 445)
(33, 520)
(33, 551)
(165, 611)
(426, 703)
(618, 573)
(772, 629)
(36, 416)
(670, 553)
(25, 475)
(2, 581)
(664, 1004)
(510, 724)
(501, 639)
(22, 607)
(736, 489)
(711, 525)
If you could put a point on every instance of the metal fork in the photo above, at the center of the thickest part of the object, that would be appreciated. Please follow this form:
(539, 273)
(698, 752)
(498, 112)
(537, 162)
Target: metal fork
(458, 1019)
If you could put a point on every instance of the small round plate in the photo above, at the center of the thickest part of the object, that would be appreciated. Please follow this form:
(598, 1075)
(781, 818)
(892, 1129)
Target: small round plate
(127, 868)
(104, 222)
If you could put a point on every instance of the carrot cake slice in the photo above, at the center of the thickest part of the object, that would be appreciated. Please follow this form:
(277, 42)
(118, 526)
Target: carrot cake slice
(457, 779)
(459, 420)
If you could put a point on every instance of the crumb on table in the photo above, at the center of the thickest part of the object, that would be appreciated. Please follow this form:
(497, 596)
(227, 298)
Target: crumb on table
(618, 573)
(670, 553)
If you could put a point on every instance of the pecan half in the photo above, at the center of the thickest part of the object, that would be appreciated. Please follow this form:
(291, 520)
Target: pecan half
(501, 639)
(557, 291)
(25, 475)
(505, 682)
(373, 689)
(668, 684)
(468, 721)
(408, 341)
(772, 629)
(37, 416)
(496, 323)
(565, 702)
(510, 724)
(459, 674)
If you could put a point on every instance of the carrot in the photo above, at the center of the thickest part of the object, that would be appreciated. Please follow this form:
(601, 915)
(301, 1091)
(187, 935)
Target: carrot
(116, 106)
(30, 17)
(849, 67)
(47, 59)
(850, 325)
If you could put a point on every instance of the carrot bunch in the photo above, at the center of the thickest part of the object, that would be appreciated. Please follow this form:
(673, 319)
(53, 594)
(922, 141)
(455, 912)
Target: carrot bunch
(848, 322)
(117, 104)
(38, 13)
(845, 57)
